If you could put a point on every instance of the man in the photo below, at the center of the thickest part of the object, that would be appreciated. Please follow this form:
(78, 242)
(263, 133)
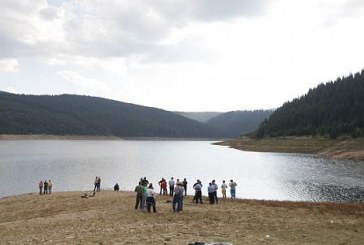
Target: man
(211, 192)
(139, 189)
(232, 185)
(215, 191)
(223, 189)
(171, 186)
(178, 197)
(198, 193)
(185, 185)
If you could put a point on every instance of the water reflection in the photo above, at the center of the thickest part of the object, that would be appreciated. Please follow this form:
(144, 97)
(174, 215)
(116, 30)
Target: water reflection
(73, 165)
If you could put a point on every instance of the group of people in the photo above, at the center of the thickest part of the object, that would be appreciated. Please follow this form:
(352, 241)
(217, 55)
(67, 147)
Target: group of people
(172, 183)
(145, 195)
(45, 187)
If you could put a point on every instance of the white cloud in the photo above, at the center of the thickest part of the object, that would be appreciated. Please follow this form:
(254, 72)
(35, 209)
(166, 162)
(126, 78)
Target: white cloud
(9, 65)
(181, 54)
(90, 86)
(9, 90)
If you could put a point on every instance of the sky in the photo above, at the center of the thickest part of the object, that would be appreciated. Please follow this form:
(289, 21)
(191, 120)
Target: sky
(179, 55)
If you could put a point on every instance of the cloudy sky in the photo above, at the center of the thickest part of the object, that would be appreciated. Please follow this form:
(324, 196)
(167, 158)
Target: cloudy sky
(186, 55)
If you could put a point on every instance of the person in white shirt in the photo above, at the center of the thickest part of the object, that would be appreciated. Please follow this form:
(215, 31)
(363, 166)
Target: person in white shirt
(150, 198)
(171, 184)
(223, 189)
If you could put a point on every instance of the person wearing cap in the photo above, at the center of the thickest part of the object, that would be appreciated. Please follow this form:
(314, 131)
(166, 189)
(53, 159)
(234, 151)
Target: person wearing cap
(178, 197)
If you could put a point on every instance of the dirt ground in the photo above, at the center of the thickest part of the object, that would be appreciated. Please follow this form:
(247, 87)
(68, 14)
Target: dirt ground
(110, 218)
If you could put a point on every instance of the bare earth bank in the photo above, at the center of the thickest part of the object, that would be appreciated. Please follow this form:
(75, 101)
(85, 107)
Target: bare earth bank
(341, 148)
(110, 218)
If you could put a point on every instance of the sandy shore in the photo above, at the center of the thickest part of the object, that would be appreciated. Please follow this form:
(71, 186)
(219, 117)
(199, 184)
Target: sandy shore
(110, 218)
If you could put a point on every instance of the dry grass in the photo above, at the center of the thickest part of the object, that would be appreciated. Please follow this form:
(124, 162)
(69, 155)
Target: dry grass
(110, 218)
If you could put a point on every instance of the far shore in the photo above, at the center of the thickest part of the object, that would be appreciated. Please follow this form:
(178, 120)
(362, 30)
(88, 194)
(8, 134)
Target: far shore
(110, 218)
(86, 137)
(345, 148)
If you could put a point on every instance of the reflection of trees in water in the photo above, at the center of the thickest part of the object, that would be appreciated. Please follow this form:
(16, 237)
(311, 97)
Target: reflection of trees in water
(334, 193)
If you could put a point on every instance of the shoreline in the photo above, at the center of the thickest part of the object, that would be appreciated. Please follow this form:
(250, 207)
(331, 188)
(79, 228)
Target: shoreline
(110, 218)
(81, 137)
(348, 148)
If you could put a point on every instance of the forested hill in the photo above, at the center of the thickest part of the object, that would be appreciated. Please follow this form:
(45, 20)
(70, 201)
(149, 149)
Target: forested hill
(333, 109)
(237, 123)
(84, 115)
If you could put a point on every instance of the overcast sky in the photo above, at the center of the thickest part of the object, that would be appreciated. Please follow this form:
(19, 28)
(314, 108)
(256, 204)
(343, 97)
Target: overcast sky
(185, 55)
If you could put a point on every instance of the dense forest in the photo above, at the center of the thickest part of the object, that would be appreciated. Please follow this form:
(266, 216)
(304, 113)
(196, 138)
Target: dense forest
(237, 123)
(331, 109)
(85, 115)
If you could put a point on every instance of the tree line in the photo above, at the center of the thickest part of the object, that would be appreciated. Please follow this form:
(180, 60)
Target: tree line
(85, 115)
(331, 109)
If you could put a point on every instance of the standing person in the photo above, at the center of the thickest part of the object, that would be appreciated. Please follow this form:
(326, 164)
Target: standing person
(232, 185)
(198, 191)
(223, 189)
(164, 187)
(215, 191)
(185, 185)
(211, 191)
(95, 183)
(171, 186)
(144, 200)
(45, 187)
(150, 198)
(98, 184)
(160, 186)
(178, 197)
(40, 185)
(139, 189)
(50, 185)
(145, 181)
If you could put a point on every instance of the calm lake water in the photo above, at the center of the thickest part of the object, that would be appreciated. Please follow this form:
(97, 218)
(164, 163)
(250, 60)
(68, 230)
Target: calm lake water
(73, 164)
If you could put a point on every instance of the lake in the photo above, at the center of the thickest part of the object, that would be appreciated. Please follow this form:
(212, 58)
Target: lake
(73, 164)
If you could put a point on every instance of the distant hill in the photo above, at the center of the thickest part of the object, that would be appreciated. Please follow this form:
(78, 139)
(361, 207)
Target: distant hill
(237, 123)
(332, 109)
(85, 115)
(199, 116)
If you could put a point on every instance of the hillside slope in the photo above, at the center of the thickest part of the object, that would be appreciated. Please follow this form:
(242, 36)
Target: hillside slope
(199, 116)
(237, 123)
(335, 108)
(84, 115)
